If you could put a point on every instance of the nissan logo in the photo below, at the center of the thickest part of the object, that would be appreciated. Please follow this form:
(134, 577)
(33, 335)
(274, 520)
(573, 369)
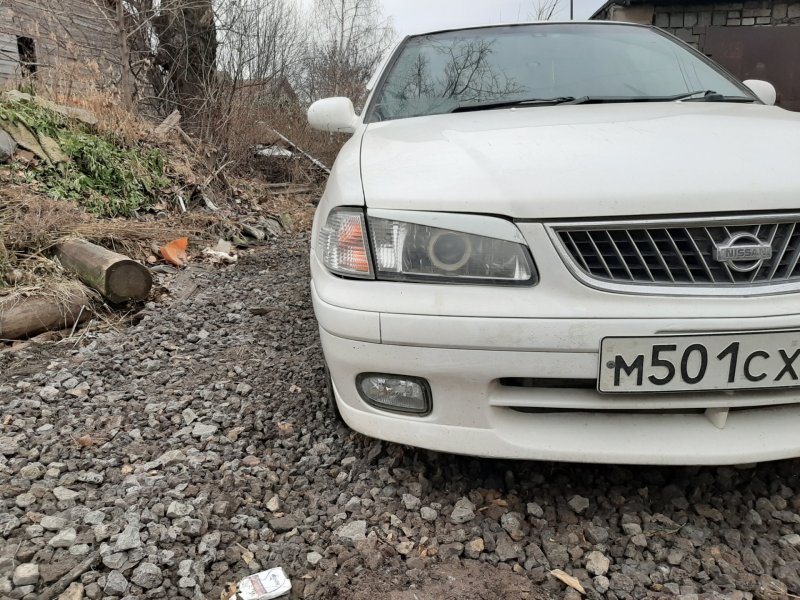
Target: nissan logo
(742, 252)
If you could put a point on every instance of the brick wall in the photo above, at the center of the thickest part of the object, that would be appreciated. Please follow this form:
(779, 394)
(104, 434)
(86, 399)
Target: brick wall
(689, 21)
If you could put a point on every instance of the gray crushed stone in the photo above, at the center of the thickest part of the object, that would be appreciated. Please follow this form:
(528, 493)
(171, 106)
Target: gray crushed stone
(214, 456)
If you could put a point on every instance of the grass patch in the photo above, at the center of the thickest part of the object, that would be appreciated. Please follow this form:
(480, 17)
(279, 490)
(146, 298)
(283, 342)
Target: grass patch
(107, 177)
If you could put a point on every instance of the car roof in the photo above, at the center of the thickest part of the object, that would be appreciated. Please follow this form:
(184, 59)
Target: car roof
(525, 23)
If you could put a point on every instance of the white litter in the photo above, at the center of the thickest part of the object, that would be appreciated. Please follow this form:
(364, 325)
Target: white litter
(263, 586)
(273, 151)
(220, 257)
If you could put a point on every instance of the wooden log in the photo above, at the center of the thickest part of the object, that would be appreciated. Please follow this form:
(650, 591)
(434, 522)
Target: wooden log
(24, 316)
(115, 276)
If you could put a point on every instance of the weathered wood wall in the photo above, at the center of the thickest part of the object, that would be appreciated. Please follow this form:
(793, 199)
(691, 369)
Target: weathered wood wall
(76, 42)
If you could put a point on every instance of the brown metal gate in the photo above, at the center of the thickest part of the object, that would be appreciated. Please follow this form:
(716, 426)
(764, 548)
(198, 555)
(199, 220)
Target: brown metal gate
(768, 53)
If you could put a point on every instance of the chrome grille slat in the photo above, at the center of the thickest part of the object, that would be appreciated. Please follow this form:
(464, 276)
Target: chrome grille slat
(699, 252)
(680, 253)
(600, 256)
(659, 256)
(639, 255)
(782, 253)
(619, 255)
(792, 262)
(576, 251)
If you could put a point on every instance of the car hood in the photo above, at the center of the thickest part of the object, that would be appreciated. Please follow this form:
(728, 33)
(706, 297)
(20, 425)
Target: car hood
(587, 160)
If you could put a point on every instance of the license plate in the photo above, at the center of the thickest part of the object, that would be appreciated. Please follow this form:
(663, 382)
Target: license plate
(700, 362)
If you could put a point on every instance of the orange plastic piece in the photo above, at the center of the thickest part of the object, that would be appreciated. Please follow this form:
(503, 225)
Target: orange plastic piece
(175, 251)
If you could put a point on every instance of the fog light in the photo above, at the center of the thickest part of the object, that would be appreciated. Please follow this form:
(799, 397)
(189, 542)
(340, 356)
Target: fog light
(396, 393)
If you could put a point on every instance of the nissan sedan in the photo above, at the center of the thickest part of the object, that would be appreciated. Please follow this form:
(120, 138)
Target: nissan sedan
(563, 241)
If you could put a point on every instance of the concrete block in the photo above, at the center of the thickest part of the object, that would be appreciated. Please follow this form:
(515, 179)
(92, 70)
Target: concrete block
(662, 20)
(690, 19)
(793, 12)
(704, 18)
(756, 12)
(749, 21)
(686, 35)
(719, 18)
(763, 20)
(676, 20)
(779, 10)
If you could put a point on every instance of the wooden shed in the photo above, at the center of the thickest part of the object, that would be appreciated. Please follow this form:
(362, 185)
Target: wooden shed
(68, 45)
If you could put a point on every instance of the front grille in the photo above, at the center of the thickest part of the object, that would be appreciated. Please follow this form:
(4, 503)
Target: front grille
(685, 253)
(548, 382)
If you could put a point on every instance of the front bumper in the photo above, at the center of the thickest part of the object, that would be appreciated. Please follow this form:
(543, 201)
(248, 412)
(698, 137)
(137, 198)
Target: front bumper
(475, 413)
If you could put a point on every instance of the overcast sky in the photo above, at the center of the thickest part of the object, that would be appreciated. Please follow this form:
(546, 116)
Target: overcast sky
(413, 16)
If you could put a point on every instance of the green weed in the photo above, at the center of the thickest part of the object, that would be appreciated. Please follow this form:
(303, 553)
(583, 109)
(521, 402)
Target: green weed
(107, 178)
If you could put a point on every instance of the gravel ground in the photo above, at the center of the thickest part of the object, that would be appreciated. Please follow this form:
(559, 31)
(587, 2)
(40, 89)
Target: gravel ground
(195, 448)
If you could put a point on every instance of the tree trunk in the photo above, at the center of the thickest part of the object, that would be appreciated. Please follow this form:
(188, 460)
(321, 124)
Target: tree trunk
(187, 51)
(126, 77)
(22, 317)
(115, 276)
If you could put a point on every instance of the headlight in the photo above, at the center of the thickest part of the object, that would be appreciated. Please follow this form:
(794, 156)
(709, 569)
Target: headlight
(412, 247)
(343, 243)
(416, 252)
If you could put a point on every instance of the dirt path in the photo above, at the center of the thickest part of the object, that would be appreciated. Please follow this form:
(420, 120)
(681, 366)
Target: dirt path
(195, 448)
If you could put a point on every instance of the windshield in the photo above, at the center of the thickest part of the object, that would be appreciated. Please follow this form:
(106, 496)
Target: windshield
(443, 72)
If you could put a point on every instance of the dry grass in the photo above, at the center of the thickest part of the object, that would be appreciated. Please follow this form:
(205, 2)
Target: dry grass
(32, 225)
(251, 124)
(114, 119)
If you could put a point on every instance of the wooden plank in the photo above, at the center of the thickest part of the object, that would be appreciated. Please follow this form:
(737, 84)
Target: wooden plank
(169, 123)
(67, 33)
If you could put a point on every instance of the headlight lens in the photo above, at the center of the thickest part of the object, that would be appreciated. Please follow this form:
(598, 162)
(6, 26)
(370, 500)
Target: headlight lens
(412, 252)
(343, 244)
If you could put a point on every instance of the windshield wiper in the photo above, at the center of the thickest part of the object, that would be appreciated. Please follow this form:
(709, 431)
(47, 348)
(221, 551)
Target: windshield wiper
(708, 96)
(510, 103)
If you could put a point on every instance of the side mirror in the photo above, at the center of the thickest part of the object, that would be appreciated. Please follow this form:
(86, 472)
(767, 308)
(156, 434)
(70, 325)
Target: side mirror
(763, 90)
(333, 114)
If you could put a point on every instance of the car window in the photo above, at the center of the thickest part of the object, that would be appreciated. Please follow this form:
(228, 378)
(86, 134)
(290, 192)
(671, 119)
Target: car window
(437, 73)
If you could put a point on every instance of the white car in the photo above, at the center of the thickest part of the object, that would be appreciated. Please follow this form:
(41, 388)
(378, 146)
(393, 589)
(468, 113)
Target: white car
(563, 241)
